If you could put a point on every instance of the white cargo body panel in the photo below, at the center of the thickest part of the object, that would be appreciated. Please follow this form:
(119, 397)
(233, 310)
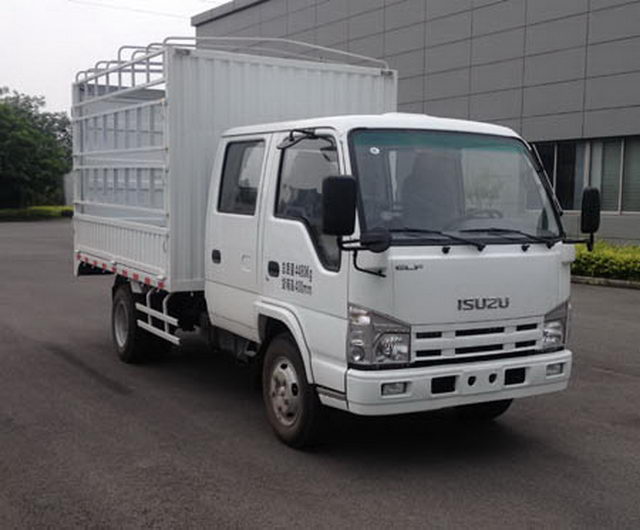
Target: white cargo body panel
(145, 136)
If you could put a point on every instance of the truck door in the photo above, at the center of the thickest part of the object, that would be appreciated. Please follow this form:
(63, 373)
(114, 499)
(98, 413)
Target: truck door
(232, 235)
(301, 267)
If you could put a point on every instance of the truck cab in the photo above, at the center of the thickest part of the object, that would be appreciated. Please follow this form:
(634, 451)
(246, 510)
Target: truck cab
(388, 264)
(363, 259)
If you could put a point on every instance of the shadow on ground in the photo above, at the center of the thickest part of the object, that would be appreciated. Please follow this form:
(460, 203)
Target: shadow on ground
(432, 436)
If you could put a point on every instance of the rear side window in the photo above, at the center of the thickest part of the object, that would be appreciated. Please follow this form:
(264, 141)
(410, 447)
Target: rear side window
(241, 177)
(303, 169)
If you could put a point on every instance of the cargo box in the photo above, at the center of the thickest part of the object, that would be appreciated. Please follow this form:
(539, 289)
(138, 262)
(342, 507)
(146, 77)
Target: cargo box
(146, 130)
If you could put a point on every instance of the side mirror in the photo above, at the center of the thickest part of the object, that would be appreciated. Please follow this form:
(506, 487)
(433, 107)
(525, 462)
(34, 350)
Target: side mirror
(590, 216)
(338, 206)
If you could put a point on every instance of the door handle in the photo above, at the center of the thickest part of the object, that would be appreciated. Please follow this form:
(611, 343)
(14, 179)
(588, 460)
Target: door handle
(216, 257)
(273, 269)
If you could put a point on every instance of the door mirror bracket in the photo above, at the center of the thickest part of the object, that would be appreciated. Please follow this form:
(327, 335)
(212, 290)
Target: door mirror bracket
(376, 241)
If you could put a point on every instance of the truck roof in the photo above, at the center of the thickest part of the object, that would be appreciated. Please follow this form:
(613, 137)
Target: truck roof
(391, 120)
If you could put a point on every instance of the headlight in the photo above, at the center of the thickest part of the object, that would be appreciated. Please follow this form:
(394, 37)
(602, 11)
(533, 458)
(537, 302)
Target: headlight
(376, 340)
(555, 330)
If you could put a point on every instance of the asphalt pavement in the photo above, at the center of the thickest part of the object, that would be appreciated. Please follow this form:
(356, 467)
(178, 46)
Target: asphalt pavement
(89, 442)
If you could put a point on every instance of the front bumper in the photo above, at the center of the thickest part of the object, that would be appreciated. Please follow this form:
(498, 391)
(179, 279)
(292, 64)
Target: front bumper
(464, 384)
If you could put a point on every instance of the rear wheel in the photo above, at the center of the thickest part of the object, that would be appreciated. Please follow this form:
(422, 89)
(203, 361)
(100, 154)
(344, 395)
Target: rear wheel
(292, 405)
(484, 411)
(132, 344)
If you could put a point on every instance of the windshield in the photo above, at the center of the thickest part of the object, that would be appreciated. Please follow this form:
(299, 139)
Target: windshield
(474, 185)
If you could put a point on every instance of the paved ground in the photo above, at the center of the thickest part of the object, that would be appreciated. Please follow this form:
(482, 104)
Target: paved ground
(86, 441)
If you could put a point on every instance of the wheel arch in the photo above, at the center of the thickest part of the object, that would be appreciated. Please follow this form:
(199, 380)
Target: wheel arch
(117, 282)
(273, 320)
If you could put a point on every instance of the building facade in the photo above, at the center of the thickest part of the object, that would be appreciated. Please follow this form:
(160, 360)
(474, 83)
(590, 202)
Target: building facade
(563, 73)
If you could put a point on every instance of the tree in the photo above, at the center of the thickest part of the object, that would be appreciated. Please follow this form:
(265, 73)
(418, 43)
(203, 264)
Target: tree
(35, 151)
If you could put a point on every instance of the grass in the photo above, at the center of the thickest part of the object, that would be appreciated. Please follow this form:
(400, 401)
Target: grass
(35, 213)
(618, 262)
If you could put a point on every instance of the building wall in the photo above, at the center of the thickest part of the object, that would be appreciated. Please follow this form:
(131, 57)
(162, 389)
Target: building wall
(553, 70)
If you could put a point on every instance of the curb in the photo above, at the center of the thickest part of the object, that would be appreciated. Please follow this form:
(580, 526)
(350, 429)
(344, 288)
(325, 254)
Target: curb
(606, 282)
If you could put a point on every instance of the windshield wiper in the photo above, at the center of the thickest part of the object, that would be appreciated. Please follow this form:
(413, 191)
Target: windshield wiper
(493, 230)
(479, 246)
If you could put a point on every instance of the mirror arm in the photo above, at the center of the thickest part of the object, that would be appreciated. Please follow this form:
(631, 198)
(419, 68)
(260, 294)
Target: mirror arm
(350, 245)
(354, 245)
(589, 242)
(378, 273)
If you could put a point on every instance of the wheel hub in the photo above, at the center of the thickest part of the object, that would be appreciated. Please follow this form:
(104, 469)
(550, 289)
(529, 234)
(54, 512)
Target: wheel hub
(284, 392)
(121, 324)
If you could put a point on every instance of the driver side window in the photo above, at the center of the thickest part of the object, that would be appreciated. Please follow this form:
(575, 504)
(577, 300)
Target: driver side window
(303, 168)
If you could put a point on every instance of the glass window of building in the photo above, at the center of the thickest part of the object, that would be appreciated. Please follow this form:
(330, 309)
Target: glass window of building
(570, 170)
(610, 164)
(631, 175)
(605, 171)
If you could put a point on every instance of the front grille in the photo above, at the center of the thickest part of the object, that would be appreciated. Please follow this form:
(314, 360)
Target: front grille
(428, 353)
(479, 349)
(461, 342)
(481, 331)
(429, 335)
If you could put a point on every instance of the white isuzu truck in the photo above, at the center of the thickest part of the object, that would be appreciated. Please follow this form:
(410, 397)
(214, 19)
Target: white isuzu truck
(371, 261)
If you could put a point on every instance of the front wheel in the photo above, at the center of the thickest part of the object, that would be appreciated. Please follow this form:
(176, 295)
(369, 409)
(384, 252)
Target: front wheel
(292, 405)
(484, 411)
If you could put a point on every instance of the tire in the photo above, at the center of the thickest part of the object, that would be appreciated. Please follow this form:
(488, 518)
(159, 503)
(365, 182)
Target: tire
(132, 344)
(292, 405)
(484, 411)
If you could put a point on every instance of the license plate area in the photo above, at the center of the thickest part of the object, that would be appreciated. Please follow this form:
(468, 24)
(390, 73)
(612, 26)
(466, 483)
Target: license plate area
(478, 381)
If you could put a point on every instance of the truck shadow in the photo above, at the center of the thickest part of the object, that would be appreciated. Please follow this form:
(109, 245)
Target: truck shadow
(430, 437)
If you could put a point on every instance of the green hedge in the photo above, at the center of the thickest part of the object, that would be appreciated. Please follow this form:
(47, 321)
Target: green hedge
(608, 261)
(34, 213)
